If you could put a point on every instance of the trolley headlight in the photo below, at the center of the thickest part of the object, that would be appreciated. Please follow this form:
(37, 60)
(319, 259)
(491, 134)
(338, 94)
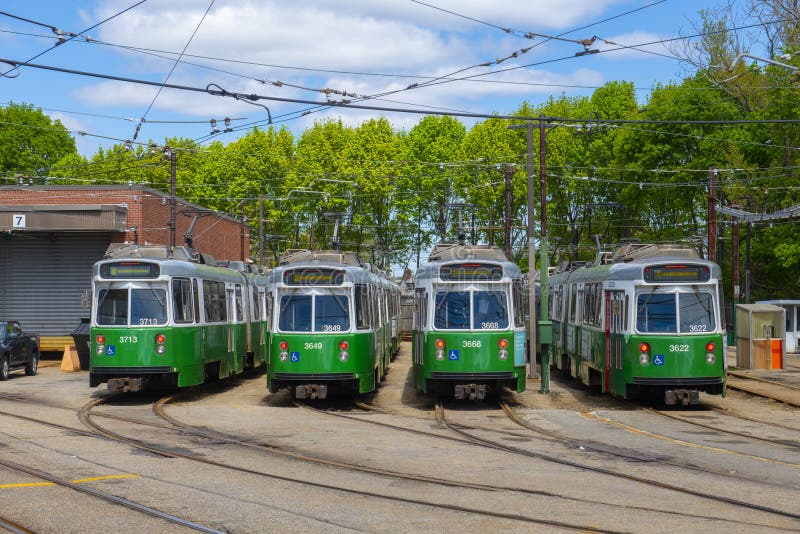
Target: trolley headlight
(503, 352)
(711, 355)
(439, 344)
(160, 340)
(284, 354)
(343, 355)
(644, 353)
(101, 344)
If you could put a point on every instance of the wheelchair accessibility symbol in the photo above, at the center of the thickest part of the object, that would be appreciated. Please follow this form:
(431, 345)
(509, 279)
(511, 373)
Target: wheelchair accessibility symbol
(658, 359)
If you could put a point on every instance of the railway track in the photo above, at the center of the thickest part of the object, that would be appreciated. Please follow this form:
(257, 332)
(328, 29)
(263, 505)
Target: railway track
(86, 417)
(794, 444)
(578, 444)
(107, 497)
(12, 526)
(771, 389)
(732, 413)
(440, 415)
(466, 437)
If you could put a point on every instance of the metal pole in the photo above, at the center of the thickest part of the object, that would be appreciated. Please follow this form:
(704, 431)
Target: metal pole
(735, 245)
(545, 327)
(172, 186)
(529, 126)
(712, 214)
(261, 229)
(747, 228)
(507, 171)
(242, 246)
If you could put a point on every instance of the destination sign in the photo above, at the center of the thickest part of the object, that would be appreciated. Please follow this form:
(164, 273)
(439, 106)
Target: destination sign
(129, 269)
(313, 277)
(470, 271)
(677, 273)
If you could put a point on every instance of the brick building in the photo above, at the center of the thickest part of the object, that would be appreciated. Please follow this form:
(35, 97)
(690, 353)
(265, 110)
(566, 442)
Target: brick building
(51, 235)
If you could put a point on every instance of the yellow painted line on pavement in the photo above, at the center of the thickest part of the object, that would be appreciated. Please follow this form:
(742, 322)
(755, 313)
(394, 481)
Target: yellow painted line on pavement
(76, 481)
(594, 416)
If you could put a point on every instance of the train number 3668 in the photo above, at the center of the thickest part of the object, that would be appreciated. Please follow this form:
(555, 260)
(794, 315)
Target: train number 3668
(471, 343)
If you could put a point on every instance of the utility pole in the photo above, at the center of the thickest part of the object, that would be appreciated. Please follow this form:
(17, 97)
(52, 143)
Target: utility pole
(542, 334)
(712, 214)
(735, 244)
(242, 246)
(172, 179)
(261, 229)
(748, 226)
(508, 172)
(545, 326)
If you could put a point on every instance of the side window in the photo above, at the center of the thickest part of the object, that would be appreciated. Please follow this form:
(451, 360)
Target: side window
(362, 307)
(196, 299)
(519, 303)
(420, 309)
(208, 301)
(182, 300)
(625, 313)
(255, 303)
(573, 303)
(586, 304)
(222, 302)
(214, 303)
(239, 304)
(598, 304)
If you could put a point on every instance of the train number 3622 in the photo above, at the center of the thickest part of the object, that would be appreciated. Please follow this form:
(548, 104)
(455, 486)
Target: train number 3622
(679, 348)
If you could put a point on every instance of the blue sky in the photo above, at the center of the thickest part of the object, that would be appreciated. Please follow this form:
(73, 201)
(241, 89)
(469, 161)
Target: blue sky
(294, 49)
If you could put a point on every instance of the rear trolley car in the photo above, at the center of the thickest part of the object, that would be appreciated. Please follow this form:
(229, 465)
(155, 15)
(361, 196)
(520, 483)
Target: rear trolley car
(645, 324)
(468, 329)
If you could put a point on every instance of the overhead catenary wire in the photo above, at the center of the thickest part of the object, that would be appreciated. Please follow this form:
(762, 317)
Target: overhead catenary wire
(169, 74)
(71, 37)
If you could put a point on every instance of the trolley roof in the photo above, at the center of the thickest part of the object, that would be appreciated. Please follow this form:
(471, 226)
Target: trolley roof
(356, 271)
(630, 260)
(452, 253)
(180, 261)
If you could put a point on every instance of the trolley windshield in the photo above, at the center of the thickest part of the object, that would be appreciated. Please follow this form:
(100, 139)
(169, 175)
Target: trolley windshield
(476, 310)
(131, 307)
(675, 313)
(330, 313)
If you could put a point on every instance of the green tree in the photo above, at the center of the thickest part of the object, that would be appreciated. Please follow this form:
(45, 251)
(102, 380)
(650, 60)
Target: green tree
(30, 141)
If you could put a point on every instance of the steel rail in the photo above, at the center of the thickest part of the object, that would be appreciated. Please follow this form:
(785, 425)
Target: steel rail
(440, 416)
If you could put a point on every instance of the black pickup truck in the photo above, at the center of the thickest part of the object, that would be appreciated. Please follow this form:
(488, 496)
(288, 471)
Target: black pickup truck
(17, 350)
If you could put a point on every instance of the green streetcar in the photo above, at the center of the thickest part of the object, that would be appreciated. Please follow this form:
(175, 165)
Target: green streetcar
(469, 335)
(645, 322)
(334, 324)
(163, 319)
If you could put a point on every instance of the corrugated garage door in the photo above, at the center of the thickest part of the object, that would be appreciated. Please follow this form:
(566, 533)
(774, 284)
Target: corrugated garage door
(43, 278)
